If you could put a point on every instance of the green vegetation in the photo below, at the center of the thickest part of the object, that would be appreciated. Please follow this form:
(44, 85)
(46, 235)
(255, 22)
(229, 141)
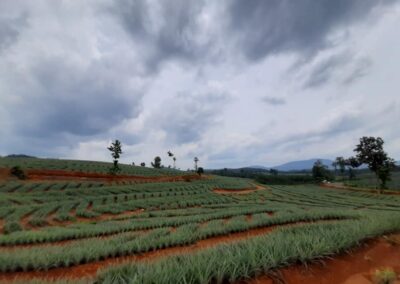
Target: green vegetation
(116, 151)
(98, 220)
(384, 276)
(370, 152)
(367, 179)
(320, 172)
(83, 166)
(245, 259)
(157, 163)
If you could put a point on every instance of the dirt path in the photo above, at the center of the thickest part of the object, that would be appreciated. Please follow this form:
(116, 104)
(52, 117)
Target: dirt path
(239, 191)
(68, 175)
(356, 267)
(90, 269)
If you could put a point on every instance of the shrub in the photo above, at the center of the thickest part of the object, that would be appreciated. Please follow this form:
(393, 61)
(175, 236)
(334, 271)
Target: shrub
(18, 172)
(11, 227)
(384, 276)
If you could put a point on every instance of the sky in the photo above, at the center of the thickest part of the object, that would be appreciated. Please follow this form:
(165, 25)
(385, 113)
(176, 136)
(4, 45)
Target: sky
(234, 83)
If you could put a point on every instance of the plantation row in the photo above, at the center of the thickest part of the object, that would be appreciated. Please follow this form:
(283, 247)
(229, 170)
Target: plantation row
(251, 257)
(128, 244)
(315, 196)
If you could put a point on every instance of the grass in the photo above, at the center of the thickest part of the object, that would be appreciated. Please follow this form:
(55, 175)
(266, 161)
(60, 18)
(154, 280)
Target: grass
(368, 179)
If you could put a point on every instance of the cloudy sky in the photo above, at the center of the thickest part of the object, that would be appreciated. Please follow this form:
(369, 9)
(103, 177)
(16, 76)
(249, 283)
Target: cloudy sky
(235, 82)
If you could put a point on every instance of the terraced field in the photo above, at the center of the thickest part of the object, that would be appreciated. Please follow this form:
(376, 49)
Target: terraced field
(177, 231)
(83, 166)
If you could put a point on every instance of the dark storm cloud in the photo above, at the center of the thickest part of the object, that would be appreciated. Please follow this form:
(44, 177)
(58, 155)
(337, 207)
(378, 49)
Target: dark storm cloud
(188, 116)
(274, 101)
(167, 30)
(324, 70)
(10, 28)
(77, 100)
(344, 123)
(342, 65)
(360, 69)
(270, 27)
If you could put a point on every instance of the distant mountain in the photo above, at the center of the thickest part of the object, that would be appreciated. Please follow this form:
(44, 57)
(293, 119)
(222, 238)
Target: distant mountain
(302, 165)
(19, 156)
(257, 167)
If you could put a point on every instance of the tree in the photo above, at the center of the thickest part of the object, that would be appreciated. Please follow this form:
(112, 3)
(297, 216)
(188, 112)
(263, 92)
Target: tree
(320, 172)
(116, 151)
(196, 160)
(157, 163)
(170, 154)
(142, 164)
(341, 163)
(273, 172)
(352, 163)
(370, 152)
(17, 172)
(200, 171)
(133, 163)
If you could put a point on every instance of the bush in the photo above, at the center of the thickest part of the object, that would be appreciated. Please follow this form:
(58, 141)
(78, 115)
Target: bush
(11, 227)
(18, 172)
(385, 276)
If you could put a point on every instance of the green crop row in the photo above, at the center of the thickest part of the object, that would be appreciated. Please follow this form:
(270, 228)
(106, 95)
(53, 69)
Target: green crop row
(44, 258)
(246, 259)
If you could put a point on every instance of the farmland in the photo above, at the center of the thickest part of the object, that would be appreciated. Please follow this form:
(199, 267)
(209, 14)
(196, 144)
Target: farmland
(167, 226)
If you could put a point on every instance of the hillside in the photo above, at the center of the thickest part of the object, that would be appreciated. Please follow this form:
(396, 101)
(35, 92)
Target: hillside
(83, 166)
(302, 165)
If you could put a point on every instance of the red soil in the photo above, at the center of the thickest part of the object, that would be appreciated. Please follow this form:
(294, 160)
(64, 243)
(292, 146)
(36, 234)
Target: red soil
(4, 173)
(63, 175)
(356, 267)
(90, 269)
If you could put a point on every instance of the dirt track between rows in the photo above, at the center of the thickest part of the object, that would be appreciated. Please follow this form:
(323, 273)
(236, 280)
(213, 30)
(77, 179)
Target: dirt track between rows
(60, 175)
(240, 191)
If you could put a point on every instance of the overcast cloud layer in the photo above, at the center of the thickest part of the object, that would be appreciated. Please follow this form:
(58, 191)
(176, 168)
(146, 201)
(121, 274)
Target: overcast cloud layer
(234, 83)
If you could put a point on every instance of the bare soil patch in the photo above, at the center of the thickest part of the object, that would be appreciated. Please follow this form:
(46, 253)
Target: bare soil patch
(59, 174)
(239, 191)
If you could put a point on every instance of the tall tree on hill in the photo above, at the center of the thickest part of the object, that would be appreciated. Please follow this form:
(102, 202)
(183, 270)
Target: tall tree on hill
(200, 171)
(116, 151)
(157, 163)
(370, 152)
(196, 160)
(170, 154)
